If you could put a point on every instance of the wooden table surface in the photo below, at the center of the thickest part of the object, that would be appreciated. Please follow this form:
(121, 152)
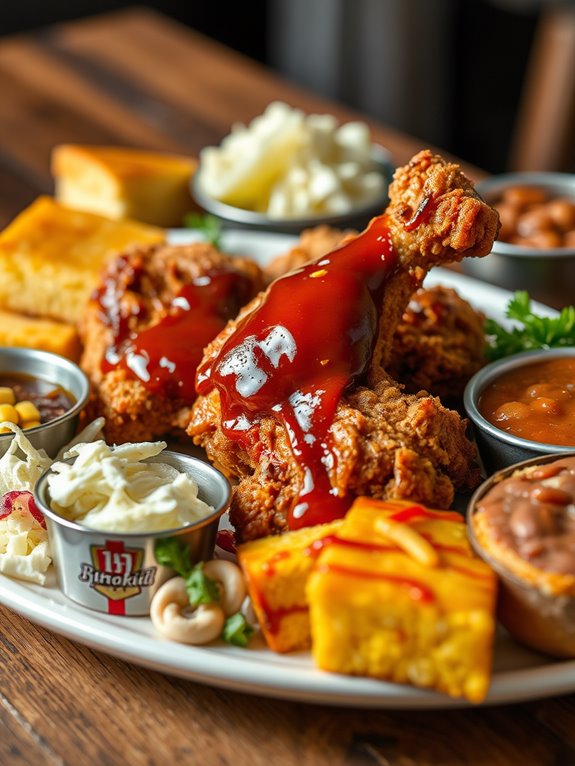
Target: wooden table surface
(136, 79)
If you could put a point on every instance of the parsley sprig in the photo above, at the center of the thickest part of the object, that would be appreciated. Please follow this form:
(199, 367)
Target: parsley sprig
(174, 553)
(531, 332)
(208, 226)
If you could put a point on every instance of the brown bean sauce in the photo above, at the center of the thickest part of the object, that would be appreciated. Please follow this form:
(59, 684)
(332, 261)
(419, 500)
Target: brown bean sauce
(535, 402)
(51, 399)
(533, 513)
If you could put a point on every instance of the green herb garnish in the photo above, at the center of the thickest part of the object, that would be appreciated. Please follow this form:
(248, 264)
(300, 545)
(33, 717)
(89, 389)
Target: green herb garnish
(173, 553)
(201, 590)
(237, 630)
(207, 225)
(534, 331)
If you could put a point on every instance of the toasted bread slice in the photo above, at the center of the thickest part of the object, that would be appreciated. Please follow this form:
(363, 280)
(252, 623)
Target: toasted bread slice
(124, 183)
(51, 257)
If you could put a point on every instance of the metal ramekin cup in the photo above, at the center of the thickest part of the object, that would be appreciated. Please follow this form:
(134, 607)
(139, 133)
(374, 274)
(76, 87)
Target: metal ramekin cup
(54, 434)
(117, 572)
(240, 218)
(540, 620)
(548, 274)
(499, 449)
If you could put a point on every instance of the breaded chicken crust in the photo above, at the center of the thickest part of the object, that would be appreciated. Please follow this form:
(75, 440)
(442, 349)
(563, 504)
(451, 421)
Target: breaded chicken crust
(140, 286)
(385, 443)
(438, 345)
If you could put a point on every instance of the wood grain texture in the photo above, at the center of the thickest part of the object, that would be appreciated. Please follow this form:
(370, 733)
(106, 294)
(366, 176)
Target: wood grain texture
(134, 78)
(85, 707)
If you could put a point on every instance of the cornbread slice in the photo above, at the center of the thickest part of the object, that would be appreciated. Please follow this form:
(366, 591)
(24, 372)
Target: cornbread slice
(51, 257)
(276, 569)
(399, 595)
(124, 183)
(43, 334)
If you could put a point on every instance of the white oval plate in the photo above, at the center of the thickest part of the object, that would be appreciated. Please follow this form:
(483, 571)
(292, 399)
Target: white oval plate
(518, 673)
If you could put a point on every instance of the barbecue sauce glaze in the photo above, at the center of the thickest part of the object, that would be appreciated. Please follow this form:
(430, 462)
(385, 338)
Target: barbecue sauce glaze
(164, 356)
(293, 357)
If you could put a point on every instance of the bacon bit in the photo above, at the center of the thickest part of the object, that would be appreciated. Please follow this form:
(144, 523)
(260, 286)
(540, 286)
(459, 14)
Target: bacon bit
(21, 502)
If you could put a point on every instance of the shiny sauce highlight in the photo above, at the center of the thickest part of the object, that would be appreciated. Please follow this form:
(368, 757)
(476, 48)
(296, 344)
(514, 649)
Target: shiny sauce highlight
(294, 356)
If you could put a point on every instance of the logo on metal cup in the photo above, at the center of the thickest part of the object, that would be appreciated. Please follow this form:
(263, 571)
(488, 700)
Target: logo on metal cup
(116, 573)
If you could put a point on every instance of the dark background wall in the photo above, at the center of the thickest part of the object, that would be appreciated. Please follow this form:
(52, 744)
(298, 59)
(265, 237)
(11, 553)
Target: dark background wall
(484, 57)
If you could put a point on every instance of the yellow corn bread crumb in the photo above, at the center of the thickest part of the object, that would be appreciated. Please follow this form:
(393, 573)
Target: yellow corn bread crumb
(276, 569)
(51, 257)
(377, 610)
(120, 182)
(43, 334)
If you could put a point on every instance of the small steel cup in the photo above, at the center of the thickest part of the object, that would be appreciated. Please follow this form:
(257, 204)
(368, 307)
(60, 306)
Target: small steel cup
(56, 369)
(117, 572)
(498, 448)
(543, 621)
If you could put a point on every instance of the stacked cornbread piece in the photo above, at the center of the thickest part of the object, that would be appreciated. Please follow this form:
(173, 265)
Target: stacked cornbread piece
(392, 591)
(52, 254)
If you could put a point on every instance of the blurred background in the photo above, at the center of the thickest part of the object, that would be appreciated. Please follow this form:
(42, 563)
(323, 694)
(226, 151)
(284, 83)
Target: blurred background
(492, 81)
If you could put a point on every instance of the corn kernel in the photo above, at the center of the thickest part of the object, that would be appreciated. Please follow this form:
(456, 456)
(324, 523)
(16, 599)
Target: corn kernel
(9, 413)
(27, 411)
(30, 424)
(6, 395)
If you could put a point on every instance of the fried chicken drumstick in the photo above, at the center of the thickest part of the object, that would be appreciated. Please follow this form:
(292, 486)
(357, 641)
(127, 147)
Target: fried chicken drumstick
(438, 344)
(294, 398)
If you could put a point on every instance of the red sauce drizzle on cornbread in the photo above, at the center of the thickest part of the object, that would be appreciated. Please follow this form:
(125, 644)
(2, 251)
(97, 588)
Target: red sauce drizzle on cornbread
(293, 357)
(165, 355)
(417, 590)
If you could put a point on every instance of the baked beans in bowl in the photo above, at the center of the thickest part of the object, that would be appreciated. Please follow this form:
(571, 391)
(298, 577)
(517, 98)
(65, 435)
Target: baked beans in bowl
(523, 406)
(535, 249)
(521, 522)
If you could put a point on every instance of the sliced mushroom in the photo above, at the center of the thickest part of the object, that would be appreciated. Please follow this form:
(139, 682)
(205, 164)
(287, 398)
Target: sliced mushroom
(174, 618)
(230, 582)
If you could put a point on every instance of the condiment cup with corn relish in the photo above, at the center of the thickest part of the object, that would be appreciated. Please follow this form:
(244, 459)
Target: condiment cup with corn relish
(497, 447)
(117, 572)
(536, 605)
(536, 247)
(42, 368)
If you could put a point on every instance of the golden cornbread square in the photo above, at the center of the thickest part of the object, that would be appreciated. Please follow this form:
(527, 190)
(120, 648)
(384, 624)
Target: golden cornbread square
(400, 596)
(43, 334)
(120, 182)
(276, 569)
(51, 257)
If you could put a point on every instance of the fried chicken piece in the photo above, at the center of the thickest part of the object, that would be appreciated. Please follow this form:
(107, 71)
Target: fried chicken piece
(439, 342)
(313, 243)
(145, 327)
(438, 345)
(387, 445)
(382, 442)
